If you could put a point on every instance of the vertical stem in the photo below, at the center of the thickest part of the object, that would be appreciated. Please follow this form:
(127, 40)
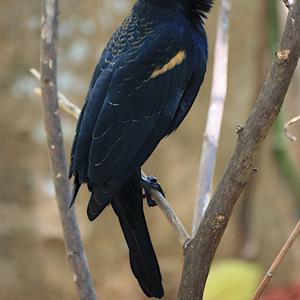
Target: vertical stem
(72, 239)
(215, 115)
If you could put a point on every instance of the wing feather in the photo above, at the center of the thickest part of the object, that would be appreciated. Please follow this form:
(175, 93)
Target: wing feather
(126, 133)
(128, 109)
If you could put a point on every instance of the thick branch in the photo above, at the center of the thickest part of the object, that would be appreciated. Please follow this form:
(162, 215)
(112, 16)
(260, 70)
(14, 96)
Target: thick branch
(73, 243)
(278, 260)
(215, 115)
(201, 250)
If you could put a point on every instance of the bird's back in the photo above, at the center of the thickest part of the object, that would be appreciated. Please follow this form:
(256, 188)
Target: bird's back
(148, 39)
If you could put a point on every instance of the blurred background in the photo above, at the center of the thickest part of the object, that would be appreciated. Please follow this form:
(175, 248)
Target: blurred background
(32, 257)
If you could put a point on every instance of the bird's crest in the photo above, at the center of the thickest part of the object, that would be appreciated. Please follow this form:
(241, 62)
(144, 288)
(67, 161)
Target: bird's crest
(199, 8)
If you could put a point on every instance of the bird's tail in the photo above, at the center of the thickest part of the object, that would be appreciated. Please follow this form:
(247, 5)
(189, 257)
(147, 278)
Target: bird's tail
(128, 205)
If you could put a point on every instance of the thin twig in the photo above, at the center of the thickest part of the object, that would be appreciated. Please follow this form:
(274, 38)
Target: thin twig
(70, 108)
(72, 239)
(291, 137)
(278, 260)
(215, 115)
(169, 212)
(63, 101)
(200, 252)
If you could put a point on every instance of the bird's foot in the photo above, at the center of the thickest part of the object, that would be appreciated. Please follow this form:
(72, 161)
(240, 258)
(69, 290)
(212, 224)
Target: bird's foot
(150, 183)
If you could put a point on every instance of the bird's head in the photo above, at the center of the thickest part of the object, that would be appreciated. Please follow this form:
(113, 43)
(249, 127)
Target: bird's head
(196, 9)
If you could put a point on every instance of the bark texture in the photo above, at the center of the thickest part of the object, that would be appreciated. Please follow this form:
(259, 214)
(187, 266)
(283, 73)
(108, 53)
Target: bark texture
(58, 162)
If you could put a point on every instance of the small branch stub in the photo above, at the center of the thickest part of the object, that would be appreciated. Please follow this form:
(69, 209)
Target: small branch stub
(291, 137)
(287, 3)
(220, 218)
(283, 55)
(255, 170)
(239, 128)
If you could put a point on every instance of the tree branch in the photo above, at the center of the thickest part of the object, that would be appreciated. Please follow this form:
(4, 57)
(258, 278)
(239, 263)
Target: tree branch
(63, 101)
(72, 239)
(70, 108)
(278, 260)
(200, 251)
(169, 212)
(215, 116)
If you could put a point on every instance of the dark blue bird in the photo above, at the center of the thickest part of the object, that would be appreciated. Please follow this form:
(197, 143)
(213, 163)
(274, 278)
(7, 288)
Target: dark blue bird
(143, 86)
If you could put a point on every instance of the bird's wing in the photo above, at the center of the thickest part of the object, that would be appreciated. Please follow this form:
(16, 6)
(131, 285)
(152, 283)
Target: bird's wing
(142, 98)
(96, 85)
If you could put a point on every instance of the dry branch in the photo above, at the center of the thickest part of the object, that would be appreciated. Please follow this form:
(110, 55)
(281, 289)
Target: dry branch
(278, 260)
(168, 211)
(72, 239)
(200, 251)
(70, 108)
(215, 116)
(291, 137)
(63, 101)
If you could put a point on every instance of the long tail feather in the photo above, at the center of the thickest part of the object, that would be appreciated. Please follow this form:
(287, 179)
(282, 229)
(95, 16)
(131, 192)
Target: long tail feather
(128, 206)
(97, 203)
(76, 187)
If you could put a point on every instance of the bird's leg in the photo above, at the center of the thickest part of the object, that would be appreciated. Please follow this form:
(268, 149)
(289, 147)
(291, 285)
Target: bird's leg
(150, 183)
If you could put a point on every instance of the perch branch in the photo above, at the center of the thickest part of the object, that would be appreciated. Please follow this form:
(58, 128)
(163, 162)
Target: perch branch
(72, 239)
(278, 260)
(291, 137)
(200, 252)
(169, 212)
(69, 107)
(215, 115)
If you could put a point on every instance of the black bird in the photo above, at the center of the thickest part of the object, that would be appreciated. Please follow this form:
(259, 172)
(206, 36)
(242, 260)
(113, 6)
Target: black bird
(143, 86)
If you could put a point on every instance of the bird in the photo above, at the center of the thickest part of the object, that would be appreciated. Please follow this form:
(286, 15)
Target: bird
(143, 86)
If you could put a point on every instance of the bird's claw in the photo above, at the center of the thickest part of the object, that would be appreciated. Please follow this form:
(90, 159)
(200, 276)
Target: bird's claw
(150, 183)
